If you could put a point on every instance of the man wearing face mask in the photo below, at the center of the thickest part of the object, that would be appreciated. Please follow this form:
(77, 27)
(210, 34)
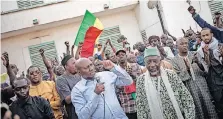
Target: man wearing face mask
(94, 96)
(160, 93)
(26, 106)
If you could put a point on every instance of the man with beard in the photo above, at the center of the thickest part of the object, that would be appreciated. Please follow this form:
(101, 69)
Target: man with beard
(209, 56)
(65, 84)
(126, 94)
(217, 32)
(87, 96)
(44, 89)
(186, 66)
(26, 106)
(160, 93)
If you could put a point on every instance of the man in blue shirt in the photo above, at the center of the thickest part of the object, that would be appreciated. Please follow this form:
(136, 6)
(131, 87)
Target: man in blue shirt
(94, 96)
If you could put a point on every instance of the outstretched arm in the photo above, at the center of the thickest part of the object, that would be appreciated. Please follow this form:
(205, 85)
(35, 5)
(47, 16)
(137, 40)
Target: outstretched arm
(68, 47)
(77, 55)
(103, 51)
(11, 74)
(72, 51)
(48, 65)
(167, 33)
(113, 49)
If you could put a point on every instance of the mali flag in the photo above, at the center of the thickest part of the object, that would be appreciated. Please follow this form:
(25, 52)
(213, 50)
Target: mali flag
(88, 33)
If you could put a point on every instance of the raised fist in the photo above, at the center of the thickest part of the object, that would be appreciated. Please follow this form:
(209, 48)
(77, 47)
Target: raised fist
(67, 43)
(80, 44)
(5, 59)
(41, 51)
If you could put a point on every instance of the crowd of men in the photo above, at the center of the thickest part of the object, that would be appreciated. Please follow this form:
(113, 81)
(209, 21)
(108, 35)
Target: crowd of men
(161, 78)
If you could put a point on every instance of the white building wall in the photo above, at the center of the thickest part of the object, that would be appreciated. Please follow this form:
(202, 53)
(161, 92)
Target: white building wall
(148, 19)
(177, 17)
(17, 46)
(56, 12)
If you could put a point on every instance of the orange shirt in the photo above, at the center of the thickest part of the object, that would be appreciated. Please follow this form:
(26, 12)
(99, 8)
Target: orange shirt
(47, 90)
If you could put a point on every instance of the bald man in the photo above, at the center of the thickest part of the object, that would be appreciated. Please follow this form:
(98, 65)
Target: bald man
(94, 96)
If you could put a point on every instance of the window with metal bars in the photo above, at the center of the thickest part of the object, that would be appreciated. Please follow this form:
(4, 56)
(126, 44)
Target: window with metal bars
(49, 51)
(215, 6)
(29, 3)
(112, 33)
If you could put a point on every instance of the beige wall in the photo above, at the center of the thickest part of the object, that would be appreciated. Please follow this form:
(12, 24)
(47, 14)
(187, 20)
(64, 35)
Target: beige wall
(177, 17)
(17, 46)
(148, 19)
(56, 12)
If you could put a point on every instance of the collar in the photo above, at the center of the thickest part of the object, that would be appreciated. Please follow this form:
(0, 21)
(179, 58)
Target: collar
(84, 81)
(29, 101)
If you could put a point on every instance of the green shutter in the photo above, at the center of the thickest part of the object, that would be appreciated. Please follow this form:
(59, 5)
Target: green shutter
(216, 6)
(28, 3)
(50, 53)
(112, 33)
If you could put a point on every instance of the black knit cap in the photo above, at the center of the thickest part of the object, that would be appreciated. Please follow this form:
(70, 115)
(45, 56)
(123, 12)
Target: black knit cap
(217, 13)
(65, 59)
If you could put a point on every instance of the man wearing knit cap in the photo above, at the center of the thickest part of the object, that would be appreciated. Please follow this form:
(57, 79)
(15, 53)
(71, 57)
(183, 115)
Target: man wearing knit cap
(160, 93)
(66, 82)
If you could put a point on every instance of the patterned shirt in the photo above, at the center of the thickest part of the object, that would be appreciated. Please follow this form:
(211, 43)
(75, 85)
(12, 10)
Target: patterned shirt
(127, 101)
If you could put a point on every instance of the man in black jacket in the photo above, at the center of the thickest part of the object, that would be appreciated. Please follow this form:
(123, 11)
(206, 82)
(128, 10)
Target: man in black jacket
(26, 106)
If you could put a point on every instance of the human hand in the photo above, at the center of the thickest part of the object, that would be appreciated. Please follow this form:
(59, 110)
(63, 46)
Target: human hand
(206, 49)
(72, 47)
(195, 58)
(191, 10)
(99, 88)
(67, 44)
(41, 51)
(108, 64)
(80, 44)
(5, 59)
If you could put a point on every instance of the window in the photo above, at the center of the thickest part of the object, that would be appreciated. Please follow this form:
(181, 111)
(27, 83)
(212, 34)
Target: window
(10, 6)
(215, 6)
(113, 34)
(49, 51)
(143, 34)
(29, 3)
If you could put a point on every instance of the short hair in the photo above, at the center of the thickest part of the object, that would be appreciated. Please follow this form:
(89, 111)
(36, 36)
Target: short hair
(20, 78)
(153, 37)
(206, 29)
(32, 66)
